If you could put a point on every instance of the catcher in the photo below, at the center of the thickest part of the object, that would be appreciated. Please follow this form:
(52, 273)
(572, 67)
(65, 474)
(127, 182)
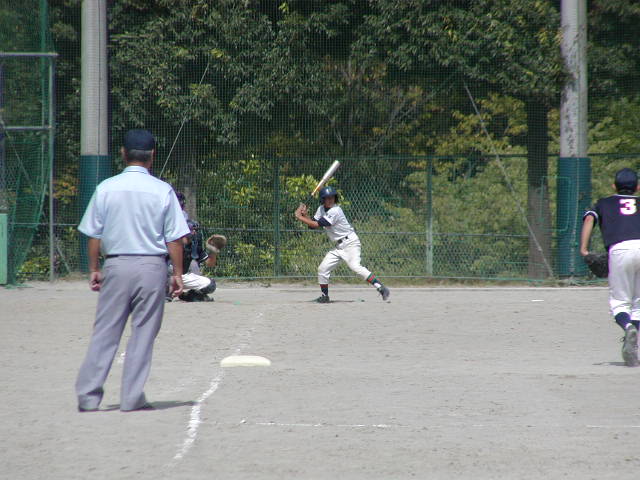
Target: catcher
(619, 219)
(198, 287)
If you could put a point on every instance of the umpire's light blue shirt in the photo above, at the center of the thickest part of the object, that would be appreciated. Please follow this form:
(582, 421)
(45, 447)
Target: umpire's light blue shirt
(134, 213)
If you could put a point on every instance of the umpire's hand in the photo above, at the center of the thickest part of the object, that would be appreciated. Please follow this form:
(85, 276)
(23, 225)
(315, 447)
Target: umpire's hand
(176, 285)
(95, 280)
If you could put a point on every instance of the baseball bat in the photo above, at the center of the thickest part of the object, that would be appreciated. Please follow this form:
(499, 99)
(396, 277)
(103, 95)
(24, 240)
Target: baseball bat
(326, 177)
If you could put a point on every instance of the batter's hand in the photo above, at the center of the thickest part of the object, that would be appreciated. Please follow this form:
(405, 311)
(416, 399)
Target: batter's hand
(176, 287)
(95, 280)
(301, 211)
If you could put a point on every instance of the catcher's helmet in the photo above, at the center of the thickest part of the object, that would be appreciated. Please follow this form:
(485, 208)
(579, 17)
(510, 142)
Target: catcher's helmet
(328, 192)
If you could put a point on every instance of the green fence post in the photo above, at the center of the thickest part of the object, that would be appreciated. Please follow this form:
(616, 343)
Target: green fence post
(4, 239)
(574, 196)
(276, 217)
(93, 169)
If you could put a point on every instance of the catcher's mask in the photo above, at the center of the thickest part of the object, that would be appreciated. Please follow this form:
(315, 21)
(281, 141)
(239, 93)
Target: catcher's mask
(328, 192)
(193, 225)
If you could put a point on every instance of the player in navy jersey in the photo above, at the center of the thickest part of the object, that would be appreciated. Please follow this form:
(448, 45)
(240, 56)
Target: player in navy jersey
(618, 217)
(346, 244)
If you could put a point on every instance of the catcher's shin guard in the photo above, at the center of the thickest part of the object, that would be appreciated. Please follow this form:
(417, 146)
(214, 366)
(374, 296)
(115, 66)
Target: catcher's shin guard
(209, 288)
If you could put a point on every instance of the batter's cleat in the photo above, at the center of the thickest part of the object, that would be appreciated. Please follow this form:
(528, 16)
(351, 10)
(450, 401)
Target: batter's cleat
(323, 299)
(630, 347)
(385, 292)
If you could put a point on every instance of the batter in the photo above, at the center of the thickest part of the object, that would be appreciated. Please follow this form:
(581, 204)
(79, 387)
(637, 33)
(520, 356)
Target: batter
(345, 240)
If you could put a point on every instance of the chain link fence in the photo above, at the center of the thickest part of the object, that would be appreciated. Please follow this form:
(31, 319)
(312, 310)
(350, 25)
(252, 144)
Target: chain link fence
(426, 217)
(252, 101)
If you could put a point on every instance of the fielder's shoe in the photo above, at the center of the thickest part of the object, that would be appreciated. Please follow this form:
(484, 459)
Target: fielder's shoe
(385, 292)
(323, 299)
(630, 347)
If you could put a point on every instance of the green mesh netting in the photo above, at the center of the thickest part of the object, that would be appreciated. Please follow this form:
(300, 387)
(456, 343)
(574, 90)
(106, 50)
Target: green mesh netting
(24, 153)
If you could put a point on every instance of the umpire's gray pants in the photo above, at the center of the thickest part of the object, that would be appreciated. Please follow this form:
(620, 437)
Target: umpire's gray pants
(136, 286)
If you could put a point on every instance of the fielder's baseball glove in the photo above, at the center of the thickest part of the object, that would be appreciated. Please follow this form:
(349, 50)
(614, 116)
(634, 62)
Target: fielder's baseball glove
(216, 242)
(598, 263)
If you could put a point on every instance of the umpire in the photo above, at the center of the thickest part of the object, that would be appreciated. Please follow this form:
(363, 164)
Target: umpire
(134, 220)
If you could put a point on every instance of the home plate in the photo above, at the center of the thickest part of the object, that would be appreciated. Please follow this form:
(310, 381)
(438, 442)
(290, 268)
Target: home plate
(245, 361)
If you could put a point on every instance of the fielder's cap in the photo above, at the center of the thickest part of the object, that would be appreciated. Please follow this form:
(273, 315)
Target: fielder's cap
(626, 179)
(138, 139)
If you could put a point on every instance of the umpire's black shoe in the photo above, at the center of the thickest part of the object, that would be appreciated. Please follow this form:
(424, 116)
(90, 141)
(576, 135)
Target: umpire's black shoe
(323, 299)
(630, 347)
(145, 406)
(385, 292)
(83, 409)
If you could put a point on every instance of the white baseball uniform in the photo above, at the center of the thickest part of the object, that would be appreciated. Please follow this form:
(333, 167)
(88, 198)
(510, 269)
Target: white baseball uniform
(347, 244)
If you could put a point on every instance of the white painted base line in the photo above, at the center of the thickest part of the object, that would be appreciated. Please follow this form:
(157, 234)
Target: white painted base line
(316, 425)
(455, 425)
(195, 419)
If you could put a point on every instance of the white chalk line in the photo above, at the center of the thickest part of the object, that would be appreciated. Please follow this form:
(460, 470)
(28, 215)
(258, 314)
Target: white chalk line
(386, 426)
(195, 419)
(318, 425)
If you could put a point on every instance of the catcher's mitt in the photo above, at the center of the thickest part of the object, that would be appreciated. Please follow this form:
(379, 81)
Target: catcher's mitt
(598, 263)
(216, 242)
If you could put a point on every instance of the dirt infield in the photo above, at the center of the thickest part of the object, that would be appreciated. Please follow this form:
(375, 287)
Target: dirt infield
(440, 383)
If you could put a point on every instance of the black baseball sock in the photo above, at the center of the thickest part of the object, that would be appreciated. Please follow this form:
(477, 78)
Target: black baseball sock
(623, 319)
(324, 289)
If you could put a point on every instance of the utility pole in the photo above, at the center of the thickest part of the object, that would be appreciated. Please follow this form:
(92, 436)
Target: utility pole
(95, 163)
(574, 167)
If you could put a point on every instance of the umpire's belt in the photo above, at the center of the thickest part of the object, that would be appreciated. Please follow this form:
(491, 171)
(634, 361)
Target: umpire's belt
(342, 240)
(135, 255)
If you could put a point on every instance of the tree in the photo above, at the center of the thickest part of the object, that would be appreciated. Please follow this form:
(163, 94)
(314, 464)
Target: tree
(487, 46)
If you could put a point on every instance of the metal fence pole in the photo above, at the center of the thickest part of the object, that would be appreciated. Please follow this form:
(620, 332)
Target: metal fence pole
(276, 217)
(52, 135)
(429, 219)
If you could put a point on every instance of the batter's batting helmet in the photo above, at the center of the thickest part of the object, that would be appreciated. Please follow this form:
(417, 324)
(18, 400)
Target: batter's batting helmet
(328, 192)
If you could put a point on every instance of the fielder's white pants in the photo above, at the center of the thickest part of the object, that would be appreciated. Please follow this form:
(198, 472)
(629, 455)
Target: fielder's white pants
(349, 252)
(624, 278)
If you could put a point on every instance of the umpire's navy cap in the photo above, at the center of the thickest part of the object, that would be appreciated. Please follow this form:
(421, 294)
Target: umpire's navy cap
(626, 179)
(138, 139)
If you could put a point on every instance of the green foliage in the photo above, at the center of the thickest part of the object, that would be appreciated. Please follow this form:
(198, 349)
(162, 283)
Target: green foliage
(617, 131)
(34, 267)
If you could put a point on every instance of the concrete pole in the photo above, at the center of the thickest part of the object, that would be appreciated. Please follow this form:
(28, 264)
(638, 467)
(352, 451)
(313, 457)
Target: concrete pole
(574, 168)
(4, 203)
(573, 110)
(95, 164)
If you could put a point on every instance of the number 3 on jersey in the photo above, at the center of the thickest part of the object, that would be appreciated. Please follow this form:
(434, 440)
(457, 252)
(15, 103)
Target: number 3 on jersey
(628, 206)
